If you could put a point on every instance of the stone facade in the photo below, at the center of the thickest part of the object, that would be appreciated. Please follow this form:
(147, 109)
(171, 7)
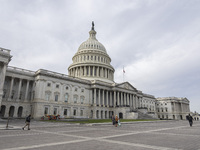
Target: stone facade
(172, 108)
(89, 91)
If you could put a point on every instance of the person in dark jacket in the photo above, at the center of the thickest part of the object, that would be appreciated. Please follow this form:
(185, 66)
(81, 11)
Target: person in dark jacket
(113, 119)
(190, 119)
(28, 120)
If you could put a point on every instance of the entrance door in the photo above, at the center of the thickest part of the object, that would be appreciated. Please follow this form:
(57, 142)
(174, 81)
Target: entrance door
(19, 113)
(121, 115)
(3, 109)
(11, 111)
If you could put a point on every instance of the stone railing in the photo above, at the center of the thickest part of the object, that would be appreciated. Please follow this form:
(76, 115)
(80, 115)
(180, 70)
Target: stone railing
(11, 68)
(51, 73)
(59, 75)
(148, 95)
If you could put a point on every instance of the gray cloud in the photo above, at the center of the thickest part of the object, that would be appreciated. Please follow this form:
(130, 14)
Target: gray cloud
(156, 41)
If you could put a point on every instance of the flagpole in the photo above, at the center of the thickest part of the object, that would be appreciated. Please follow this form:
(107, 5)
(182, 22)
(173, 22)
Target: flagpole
(123, 73)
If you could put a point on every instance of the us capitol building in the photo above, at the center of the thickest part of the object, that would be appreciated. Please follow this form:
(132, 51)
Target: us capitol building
(88, 91)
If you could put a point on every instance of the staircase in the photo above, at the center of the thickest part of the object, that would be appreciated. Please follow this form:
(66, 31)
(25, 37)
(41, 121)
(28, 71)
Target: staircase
(142, 115)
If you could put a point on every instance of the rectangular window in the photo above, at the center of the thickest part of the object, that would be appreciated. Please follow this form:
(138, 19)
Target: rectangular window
(57, 85)
(48, 84)
(65, 112)
(81, 113)
(12, 96)
(46, 111)
(82, 100)
(4, 93)
(74, 112)
(47, 96)
(56, 98)
(75, 99)
(20, 95)
(55, 110)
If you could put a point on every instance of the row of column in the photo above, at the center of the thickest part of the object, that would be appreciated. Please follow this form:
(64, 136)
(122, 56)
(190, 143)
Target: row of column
(92, 71)
(181, 107)
(90, 58)
(107, 98)
(3, 67)
(18, 89)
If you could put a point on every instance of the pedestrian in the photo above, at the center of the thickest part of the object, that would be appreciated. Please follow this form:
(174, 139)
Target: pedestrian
(113, 119)
(190, 119)
(116, 121)
(28, 120)
(119, 123)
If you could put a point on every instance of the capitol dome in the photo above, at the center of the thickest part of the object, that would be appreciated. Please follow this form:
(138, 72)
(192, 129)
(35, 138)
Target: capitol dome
(92, 43)
(91, 61)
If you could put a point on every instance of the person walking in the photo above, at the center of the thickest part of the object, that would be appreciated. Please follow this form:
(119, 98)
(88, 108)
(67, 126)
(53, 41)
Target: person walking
(113, 120)
(116, 120)
(190, 119)
(28, 120)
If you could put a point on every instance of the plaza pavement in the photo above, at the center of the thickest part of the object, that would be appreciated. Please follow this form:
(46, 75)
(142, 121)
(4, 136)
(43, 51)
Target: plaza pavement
(154, 135)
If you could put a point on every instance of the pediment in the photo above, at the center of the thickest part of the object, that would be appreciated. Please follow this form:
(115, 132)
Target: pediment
(126, 85)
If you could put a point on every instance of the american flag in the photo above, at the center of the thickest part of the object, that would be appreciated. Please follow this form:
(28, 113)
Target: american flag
(123, 70)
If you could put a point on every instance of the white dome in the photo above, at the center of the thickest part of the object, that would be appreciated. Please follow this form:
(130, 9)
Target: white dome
(92, 43)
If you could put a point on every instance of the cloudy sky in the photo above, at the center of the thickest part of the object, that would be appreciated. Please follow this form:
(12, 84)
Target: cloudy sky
(157, 41)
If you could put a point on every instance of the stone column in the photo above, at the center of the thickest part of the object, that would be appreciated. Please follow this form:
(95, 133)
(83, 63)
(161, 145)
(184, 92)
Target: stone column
(107, 99)
(128, 99)
(118, 98)
(114, 105)
(131, 100)
(85, 71)
(95, 96)
(101, 71)
(93, 71)
(110, 98)
(125, 99)
(27, 87)
(103, 98)
(89, 71)
(11, 87)
(136, 102)
(122, 99)
(97, 72)
(99, 97)
(181, 108)
(3, 67)
(174, 107)
(19, 89)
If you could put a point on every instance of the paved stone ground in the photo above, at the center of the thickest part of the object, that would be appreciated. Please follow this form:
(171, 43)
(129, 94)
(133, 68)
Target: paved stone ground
(157, 135)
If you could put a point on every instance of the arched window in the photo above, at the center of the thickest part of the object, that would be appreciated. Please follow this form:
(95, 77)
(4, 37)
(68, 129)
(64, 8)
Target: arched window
(82, 99)
(47, 95)
(75, 98)
(56, 96)
(66, 97)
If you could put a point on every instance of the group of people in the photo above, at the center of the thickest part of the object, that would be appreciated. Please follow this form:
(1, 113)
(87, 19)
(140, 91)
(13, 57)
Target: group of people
(115, 121)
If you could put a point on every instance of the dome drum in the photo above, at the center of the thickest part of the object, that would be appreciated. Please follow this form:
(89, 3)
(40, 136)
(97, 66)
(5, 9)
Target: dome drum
(91, 61)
